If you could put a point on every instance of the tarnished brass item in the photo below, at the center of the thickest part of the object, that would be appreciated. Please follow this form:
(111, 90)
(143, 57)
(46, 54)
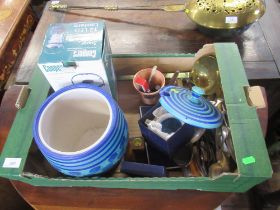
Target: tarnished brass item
(22, 97)
(224, 14)
(205, 74)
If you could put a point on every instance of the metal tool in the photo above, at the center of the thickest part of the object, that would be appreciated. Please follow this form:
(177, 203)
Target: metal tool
(224, 152)
(167, 8)
(225, 131)
(221, 14)
(204, 153)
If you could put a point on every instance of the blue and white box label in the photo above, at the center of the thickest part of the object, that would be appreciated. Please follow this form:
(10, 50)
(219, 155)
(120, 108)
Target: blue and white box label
(78, 52)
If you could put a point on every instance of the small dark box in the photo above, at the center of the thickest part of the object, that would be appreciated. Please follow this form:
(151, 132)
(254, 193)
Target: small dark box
(182, 136)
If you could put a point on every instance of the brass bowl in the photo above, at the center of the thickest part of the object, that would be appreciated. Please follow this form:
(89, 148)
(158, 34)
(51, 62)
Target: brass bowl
(205, 74)
(224, 14)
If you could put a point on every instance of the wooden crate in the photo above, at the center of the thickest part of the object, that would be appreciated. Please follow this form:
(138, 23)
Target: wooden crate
(245, 128)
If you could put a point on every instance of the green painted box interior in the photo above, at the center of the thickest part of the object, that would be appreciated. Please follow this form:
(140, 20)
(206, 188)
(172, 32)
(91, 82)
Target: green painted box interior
(247, 136)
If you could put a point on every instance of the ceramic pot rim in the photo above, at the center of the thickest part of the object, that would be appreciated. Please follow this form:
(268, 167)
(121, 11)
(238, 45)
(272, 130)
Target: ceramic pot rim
(54, 97)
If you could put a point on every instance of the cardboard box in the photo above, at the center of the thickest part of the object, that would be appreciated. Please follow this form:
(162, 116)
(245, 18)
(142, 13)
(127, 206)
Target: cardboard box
(77, 52)
(253, 164)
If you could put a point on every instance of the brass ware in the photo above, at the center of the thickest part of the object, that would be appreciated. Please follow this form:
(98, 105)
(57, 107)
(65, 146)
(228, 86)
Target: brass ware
(224, 152)
(22, 97)
(114, 7)
(224, 14)
(205, 74)
(219, 167)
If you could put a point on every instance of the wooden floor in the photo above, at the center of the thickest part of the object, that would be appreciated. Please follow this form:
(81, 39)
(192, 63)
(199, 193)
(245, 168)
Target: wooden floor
(242, 201)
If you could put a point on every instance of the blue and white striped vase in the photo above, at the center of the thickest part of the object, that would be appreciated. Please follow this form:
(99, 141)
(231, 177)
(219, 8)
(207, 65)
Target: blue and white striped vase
(81, 130)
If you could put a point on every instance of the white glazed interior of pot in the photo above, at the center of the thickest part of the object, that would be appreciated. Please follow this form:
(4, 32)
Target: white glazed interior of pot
(75, 121)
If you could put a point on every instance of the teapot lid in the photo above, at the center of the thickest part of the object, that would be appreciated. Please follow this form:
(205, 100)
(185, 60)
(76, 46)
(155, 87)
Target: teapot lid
(190, 106)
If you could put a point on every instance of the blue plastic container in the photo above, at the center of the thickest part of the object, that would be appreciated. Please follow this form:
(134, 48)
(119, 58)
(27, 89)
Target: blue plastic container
(81, 130)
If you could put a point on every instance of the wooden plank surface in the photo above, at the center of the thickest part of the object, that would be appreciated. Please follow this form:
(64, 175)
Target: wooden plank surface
(98, 198)
(271, 29)
(156, 32)
(265, 70)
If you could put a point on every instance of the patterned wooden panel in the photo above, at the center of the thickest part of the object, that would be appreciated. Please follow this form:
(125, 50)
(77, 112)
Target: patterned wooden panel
(16, 20)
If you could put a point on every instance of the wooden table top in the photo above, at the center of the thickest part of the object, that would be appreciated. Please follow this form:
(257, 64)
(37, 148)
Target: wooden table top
(165, 32)
(10, 13)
